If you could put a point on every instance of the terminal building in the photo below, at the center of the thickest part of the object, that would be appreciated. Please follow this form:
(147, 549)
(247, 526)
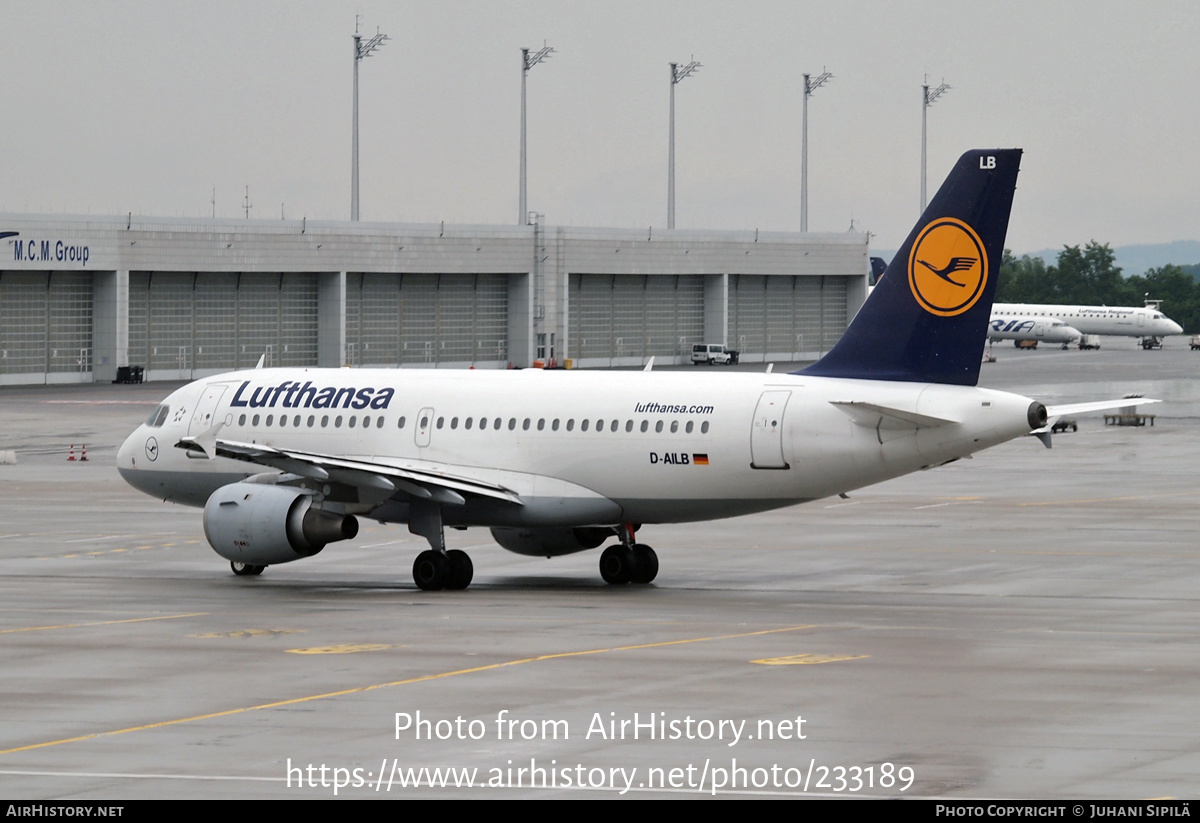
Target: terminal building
(81, 296)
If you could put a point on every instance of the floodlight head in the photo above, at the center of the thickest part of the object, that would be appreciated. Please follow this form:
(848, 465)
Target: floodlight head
(931, 95)
(541, 54)
(812, 85)
(364, 50)
(678, 73)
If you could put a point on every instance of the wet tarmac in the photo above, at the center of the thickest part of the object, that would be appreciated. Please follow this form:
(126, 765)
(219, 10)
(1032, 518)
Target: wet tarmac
(1023, 624)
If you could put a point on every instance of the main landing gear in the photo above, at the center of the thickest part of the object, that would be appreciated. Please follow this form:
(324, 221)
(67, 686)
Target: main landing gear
(628, 562)
(435, 568)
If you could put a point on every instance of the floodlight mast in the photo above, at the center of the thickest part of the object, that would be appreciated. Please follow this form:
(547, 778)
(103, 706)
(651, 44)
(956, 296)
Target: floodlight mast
(361, 51)
(928, 97)
(528, 61)
(809, 87)
(677, 74)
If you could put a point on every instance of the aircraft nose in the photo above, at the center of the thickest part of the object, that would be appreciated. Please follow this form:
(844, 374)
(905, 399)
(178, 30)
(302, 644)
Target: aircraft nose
(127, 455)
(1175, 327)
(135, 456)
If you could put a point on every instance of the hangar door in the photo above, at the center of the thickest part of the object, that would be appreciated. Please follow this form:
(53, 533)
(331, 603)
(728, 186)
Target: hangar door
(45, 327)
(623, 319)
(185, 323)
(426, 319)
(786, 317)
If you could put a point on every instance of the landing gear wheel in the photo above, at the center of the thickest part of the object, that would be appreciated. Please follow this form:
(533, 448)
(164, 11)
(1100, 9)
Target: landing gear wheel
(645, 563)
(431, 570)
(461, 570)
(245, 569)
(617, 564)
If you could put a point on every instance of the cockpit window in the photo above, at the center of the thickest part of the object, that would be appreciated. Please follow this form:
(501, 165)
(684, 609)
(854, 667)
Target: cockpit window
(158, 416)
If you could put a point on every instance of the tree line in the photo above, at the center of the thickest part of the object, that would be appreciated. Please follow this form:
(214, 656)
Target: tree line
(1089, 276)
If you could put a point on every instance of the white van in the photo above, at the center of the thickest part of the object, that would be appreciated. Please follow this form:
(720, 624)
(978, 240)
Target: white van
(713, 353)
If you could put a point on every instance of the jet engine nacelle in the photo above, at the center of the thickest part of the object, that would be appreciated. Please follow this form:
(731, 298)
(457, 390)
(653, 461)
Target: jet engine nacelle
(262, 525)
(551, 542)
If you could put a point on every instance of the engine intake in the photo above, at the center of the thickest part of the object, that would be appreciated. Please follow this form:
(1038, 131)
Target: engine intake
(263, 525)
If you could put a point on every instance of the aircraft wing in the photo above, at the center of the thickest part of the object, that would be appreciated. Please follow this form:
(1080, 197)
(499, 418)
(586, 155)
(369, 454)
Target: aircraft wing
(427, 481)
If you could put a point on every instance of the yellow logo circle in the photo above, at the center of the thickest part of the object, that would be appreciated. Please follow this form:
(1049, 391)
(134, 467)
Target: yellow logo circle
(947, 267)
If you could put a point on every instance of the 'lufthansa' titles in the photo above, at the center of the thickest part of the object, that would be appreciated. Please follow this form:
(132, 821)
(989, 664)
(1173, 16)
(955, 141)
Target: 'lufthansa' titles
(291, 395)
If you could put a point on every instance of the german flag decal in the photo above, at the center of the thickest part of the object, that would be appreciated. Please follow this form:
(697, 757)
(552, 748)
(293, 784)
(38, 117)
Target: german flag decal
(699, 459)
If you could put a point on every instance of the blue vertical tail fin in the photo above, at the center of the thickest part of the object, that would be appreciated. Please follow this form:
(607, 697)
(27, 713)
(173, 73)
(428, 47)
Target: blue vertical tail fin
(926, 320)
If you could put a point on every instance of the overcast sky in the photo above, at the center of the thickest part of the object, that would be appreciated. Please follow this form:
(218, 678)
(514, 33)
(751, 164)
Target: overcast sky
(112, 107)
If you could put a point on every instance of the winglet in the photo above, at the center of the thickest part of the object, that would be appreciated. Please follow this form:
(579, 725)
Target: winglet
(262, 358)
(926, 320)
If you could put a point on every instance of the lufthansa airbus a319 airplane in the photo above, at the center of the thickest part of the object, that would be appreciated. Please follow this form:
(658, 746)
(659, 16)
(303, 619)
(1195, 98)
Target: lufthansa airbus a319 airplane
(283, 461)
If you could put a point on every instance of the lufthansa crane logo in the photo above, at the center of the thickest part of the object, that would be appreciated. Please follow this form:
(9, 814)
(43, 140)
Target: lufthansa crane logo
(947, 268)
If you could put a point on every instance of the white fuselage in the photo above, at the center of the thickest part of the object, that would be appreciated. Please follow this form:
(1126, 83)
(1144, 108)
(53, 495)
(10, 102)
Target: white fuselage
(579, 447)
(1128, 321)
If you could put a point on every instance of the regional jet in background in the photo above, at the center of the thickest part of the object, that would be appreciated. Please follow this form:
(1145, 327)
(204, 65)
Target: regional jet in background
(1147, 322)
(284, 461)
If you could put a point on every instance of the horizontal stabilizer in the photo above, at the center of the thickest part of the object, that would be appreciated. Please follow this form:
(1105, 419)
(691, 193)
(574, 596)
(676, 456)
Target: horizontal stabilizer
(1053, 412)
(875, 416)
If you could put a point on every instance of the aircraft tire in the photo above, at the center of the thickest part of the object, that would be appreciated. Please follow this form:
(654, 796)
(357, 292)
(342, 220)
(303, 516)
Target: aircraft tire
(462, 570)
(245, 569)
(617, 565)
(431, 570)
(645, 563)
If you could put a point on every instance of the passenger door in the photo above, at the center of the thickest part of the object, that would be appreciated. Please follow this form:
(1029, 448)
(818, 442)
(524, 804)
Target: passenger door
(766, 432)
